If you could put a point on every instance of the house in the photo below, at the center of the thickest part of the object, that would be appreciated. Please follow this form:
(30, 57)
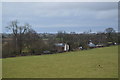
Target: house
(91, 45)
(61, 47)
(99, 45)
(80, 48)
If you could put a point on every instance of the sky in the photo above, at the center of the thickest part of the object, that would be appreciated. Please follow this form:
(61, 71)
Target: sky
(51, 17)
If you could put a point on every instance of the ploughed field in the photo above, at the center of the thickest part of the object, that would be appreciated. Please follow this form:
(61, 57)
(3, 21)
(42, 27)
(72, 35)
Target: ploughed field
(93, 63)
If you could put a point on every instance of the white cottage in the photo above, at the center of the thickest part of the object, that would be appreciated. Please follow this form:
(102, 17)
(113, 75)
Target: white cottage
(62, 47)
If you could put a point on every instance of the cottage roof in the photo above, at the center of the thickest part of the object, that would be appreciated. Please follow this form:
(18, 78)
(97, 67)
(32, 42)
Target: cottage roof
(91, 44)
(60, 44)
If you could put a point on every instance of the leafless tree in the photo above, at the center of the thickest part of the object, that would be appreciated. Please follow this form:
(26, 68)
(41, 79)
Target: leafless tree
(18, 33)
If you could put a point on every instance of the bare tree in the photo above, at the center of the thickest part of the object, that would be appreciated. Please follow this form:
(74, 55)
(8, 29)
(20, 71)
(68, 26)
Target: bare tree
(109, 32)
(18, 33)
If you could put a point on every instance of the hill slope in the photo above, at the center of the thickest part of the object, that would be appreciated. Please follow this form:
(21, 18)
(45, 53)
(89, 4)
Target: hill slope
(94, 63)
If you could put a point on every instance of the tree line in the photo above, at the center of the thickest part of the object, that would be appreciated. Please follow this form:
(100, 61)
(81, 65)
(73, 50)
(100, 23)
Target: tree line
(25, 41)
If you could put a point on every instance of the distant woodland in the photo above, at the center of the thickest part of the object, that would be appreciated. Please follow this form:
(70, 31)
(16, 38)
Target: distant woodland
(23, 40)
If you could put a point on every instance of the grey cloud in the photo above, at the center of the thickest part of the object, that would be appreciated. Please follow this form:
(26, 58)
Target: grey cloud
(62, 14)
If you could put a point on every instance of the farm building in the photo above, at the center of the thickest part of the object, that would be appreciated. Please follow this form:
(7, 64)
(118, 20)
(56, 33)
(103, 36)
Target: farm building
(91, 45)
(62, 47)
(99, 45)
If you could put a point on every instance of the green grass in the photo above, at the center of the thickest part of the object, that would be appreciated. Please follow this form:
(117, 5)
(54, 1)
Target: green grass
(78, 64)
(0, 68)
(0, 59)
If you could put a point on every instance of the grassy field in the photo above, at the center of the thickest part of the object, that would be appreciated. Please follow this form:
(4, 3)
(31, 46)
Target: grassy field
(0, 68)
(94, 63)
(0, 59)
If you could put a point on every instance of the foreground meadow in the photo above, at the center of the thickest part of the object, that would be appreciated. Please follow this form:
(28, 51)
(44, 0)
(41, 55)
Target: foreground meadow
(93, 63)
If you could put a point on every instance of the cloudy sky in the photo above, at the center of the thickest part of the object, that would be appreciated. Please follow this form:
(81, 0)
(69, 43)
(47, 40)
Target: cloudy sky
(52, 17)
